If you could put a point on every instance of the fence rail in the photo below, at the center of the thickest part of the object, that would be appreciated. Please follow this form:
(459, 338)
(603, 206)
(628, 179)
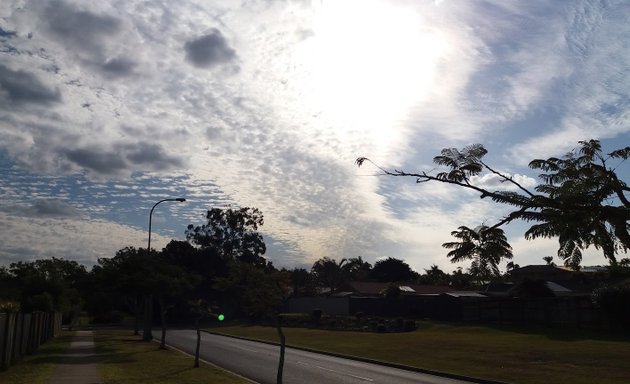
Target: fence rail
(23, 333)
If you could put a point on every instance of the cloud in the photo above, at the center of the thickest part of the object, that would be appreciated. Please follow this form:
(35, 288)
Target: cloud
(152, 155)
(119, 67)
(78, 29)
(6, 34)
(81, 240)
(54, 208)
(209, 50)
(43, 208)
(122, 158)
(18, 87)
(395, 82)
(97, 160)
(491, 181)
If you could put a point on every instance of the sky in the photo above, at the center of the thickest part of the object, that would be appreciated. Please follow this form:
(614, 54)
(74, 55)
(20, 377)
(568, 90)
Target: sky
(107, 107)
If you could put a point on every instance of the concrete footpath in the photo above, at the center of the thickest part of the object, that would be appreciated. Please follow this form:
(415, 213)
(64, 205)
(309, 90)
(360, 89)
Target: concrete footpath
(78, 364)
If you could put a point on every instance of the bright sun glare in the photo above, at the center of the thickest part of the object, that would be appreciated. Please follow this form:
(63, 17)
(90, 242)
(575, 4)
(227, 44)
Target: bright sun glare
(367, 63)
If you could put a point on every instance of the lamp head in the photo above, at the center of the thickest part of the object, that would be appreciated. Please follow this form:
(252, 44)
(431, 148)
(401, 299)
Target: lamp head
(180, 199)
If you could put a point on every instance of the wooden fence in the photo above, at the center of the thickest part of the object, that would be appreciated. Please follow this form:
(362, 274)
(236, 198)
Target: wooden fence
(23, 333)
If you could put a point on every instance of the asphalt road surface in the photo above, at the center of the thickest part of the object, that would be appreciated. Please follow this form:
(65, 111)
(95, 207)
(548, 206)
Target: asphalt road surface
(259, 363)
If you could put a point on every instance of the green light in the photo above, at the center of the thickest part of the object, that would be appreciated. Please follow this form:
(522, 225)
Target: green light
(221, 317)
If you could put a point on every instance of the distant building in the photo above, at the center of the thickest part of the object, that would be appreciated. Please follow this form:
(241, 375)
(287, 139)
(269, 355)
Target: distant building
(542, 272)
(374, 289)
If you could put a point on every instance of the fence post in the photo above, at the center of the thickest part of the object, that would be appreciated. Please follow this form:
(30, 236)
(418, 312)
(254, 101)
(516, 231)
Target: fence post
(4, 317)
(16, 353)
(9, 334)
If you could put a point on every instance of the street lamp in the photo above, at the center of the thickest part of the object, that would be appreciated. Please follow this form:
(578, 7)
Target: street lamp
(148, 305)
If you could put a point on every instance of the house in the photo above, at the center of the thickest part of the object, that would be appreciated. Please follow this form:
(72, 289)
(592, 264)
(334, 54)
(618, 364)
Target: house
(542, 272)
(375, 289)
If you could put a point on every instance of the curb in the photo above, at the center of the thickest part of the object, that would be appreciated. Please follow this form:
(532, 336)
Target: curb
(207, 362)
(372, 361)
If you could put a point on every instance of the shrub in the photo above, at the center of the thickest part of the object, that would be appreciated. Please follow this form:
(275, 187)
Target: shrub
(316, 316)
(9, 307)
(410, 325)
(615, 301)
(381, 328)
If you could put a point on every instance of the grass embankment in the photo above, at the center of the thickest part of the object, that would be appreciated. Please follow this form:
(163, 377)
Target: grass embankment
(509, 354)
(38, 367)
(124, 358)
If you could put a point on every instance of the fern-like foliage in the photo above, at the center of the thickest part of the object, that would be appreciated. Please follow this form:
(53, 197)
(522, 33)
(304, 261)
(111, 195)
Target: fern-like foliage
(485, 246)
(580, 200)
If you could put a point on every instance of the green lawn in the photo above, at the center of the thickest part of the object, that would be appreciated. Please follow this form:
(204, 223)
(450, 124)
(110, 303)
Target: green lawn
(124, 358)
(38, 367)
(508, 354)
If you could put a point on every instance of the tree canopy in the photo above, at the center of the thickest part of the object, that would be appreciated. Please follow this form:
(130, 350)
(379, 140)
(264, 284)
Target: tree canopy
(581, 199)
(233, 233)
(485, 246)
(392, 270)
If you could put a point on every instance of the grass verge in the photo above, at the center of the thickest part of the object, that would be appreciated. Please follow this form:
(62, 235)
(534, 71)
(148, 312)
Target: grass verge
(38, 367)
(124, 358)
(508, 354)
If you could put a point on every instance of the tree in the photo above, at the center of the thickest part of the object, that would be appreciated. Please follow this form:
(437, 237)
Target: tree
(485, 246)
(169, 284)
(51, 284)
(328, 273)
(201, 309)
(392, 270)
(356, 269)
(233, 233)
(614, 300)
(581, 200)
(434, 276)
(251, 291)
(302, 282)
(549, 260)
(462, 280)
(205, 264)
(392, 291)
(510, 266)
(123, 280)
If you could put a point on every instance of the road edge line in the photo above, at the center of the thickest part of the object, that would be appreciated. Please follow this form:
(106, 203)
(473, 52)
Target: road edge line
(208, 362)
(372, 361)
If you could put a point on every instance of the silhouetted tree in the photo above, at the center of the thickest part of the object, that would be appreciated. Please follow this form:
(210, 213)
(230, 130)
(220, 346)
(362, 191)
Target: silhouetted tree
(434, 276)
(356, 269)
(510, 266)
(614, 300)
(581, 200)
(254, 292)
(486, 247)
(205, 264)
(169, 284)
(233, 233)
(328, 273)
(122, 282)
(302, 282)
(392, 270)
(462, 280)
(51, 284)
(392, 291)
(549, 260)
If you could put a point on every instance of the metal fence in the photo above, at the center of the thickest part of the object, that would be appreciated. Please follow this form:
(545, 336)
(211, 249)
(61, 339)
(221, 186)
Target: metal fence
(23, 333)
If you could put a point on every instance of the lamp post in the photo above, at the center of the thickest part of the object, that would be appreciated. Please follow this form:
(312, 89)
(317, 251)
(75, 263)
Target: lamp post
(148, 304)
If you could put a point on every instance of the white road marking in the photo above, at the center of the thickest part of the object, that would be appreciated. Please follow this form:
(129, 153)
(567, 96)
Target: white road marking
(246, 349)
(345, 374)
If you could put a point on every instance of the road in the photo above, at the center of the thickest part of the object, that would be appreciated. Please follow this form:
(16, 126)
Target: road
(259, 362)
